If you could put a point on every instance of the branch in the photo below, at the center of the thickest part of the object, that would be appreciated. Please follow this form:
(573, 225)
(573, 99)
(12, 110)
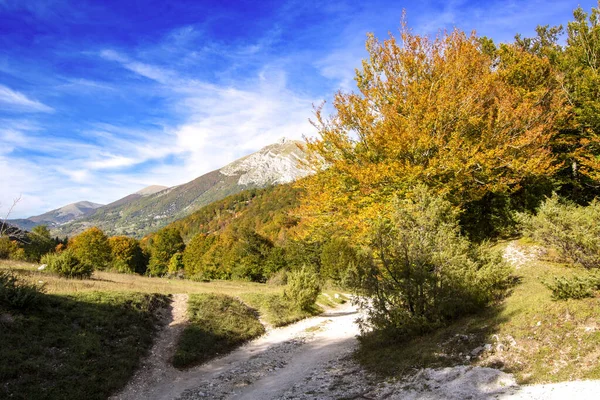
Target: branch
(4, 225)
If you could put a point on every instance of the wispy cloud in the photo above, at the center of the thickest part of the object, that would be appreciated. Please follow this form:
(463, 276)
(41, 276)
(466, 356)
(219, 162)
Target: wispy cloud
(95, 104)
(19, 102)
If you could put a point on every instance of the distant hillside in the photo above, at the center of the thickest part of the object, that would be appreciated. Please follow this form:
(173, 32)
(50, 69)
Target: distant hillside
(265, 211)
(57, 217)
(141, 213)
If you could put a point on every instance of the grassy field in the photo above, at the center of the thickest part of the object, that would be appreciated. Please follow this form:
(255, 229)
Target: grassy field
(536, 338)
(81, 346)
(217, 324)
(87, 337)
(112, 281)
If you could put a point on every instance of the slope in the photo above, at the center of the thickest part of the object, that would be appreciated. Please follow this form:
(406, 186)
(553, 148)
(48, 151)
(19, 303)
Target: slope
(58, 216)
(139, 214)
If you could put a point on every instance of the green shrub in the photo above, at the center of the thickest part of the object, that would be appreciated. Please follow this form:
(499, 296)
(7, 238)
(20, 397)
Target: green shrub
(127, 255)
(426, 273)
(176, 264)
(39, 242)
(16, 293)
(303, 288)
(67, 265)
(10, 249)
(575, 287)
(91, 247)
(572, 230)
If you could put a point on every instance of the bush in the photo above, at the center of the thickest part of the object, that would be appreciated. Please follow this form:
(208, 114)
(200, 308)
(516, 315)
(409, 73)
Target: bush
(91, 247)
(67, 265)
(576, 287)
(426, 274)
(572, 230)
(39, 242)
(176, 264)
(10, 249)
(127, 255)
(15, 293)
(303, 288)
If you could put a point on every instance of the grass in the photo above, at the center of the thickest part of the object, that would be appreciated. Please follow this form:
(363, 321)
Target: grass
(217, 324)
(331, 298)
(276, 310)
(101, 327)
(536, 338)
(85, 345)
(114, 281)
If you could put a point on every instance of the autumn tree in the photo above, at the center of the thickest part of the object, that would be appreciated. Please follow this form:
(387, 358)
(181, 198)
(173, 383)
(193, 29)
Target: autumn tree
(91, 247)
(127, 255)
(162, 246)
(441, 111)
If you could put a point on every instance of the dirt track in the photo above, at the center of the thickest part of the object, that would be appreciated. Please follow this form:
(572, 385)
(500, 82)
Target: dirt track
(312, 360)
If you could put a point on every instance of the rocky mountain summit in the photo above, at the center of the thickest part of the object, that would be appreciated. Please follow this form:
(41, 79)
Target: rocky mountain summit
(278, 163)
(156, 206)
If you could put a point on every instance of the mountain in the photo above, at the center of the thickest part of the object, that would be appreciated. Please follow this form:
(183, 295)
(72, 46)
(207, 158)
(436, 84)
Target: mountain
(154, 207)
(57, 217)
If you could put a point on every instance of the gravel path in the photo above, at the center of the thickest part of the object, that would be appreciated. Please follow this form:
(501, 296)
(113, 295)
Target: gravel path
(157, 366)
(312, 359)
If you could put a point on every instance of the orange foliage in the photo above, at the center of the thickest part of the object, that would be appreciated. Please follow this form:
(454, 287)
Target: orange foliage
(436, 111)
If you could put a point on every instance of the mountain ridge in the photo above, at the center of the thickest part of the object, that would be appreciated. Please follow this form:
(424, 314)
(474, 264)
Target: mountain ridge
(148, 210)
(58, 216)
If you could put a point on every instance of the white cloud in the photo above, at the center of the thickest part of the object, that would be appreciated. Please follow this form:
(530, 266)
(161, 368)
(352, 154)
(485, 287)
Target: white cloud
(111, 161)
(19, 102)
(222, 122)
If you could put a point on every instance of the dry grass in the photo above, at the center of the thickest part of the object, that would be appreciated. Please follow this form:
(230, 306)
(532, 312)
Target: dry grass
(112, 281)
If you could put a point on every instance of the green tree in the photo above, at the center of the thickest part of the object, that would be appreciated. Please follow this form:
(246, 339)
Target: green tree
(38, 243)
(162, 246)
(127, 255)
(337, 258)
(252, 251)
(581, 66)
(91, 247)
(303, 288)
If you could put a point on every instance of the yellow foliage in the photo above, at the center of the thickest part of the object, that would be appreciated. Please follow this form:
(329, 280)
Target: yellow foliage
(438, 111)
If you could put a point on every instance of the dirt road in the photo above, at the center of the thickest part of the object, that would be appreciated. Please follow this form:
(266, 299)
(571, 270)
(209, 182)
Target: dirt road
(285, 363)
(312, 360)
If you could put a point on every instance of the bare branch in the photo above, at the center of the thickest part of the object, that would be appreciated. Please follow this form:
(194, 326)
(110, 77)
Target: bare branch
(4, 226)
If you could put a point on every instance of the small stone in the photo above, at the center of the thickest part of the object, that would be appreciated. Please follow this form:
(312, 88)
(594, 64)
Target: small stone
(539, 323)
(42, 267)
(476, 351)
(487, 347)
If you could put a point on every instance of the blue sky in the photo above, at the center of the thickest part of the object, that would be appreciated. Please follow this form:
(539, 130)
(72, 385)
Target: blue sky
(101, 98)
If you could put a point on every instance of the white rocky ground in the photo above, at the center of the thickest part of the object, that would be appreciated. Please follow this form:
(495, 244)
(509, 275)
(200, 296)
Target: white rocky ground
(312, 360)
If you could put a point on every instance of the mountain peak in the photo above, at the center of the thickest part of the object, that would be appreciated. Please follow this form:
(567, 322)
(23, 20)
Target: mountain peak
(154, 207)
(147, 191)
(274, 164)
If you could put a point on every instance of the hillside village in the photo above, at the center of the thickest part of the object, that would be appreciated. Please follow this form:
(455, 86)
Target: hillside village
(437, 239)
